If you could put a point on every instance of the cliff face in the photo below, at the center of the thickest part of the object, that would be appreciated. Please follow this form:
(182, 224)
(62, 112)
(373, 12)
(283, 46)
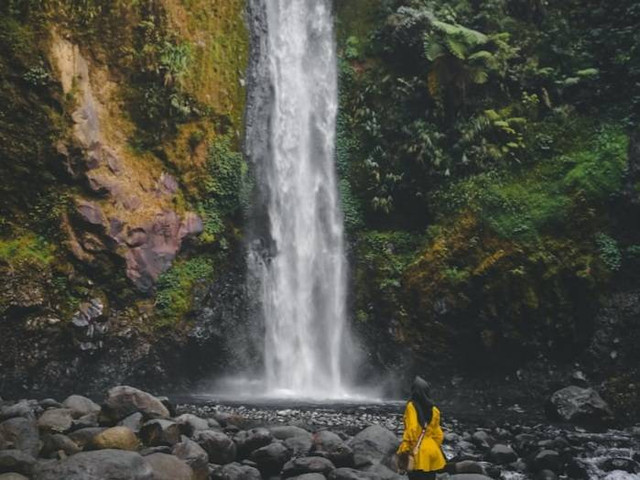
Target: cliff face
(121, 181)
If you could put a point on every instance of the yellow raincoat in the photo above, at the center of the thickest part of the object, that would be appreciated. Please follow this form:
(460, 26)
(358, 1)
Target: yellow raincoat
(429, 457)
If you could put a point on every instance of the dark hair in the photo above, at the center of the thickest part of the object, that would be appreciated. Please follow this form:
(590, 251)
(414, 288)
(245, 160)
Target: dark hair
(421, 399)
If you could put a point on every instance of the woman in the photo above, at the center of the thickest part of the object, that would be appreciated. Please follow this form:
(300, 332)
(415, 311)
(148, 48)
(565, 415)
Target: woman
(422, 436)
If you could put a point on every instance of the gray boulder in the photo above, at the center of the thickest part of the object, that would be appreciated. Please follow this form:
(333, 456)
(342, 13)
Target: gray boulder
(53, 445)
(80, 406)
(300, 445)
(194, 456)
(12, 476)
(286, 431)
(16, 461)
(580, 406)
(329, 445)
(56, 420)
(159, 432)
(122, 401)
(310, 476)
(21, 434)
(98, 465)
(271, 458)
(301, 465)
(190, 424)
(84, 436)
(168, 467)
(469, 476)
(350, 474)
(374, 445)
(250, 440)
(133, 421)
(219, 446)
(547, 460)
(235, 471)
(502, 454)
(23, 408)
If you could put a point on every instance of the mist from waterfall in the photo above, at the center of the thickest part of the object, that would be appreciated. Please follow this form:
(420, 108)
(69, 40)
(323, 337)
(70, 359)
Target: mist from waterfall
(299, 263)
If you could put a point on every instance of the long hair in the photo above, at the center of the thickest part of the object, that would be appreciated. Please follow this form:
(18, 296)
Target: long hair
(421, 399)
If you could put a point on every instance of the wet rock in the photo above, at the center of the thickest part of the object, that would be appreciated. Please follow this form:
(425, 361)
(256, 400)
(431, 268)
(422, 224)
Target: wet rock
(546, 475)
(624, 464)
(189, 424)
(12, 476)
(219, 446)
(526, 443)
(86, 421)
(502, 454)
(56, 420)
(22, 434)
(88, 329)
(160, 432)
(329, 445)
(468, 476)
(168, 405)
(97, 465)
(310, 476)
(24, 408)
(284, 432)
(350, 474)
(16, 461)
(194, 456)
(482, 439)
(78, 404)
(118, 438)
(168, 467)
(90, 213)
(83, 437)
(55, 444)
(469, 466)
(547, 460)
(300, 445)
(248, 441)
(380, 472)
(577, 469)
(50, 403)
(133, 421)
(373, 445)
(122, 401)
(301, 465)
(235, 471)
(151, 450)
(581, 406)
(270, 459)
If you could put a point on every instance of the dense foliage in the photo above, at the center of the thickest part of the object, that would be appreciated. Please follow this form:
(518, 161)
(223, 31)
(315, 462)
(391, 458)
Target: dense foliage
(484, 151)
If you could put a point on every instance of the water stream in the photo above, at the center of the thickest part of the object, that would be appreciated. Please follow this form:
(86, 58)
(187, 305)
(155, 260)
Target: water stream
(298, 261)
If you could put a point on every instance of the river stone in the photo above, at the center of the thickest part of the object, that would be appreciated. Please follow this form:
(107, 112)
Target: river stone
(310, 476)
(373, 445)
(24, 408)
(123, 400)
(271, 458)
(168, 467)
(117, 438)
(624, 464)
(482, 439)
(287, 431)
(581, 406)
(468, 476)
(85, 421)
(468, 466)
(350, 474)
(53, 444)
(80, 406)
(56, 420)
(219, 446)
(299, 445)
(84, 436)
(329, 445)
(301, 465)
(12, 476)
(235, 471)
(189, 424)
(22, 434)
(50, 403)
(194, 456)
(380, 472)
(250, 440)
(97, 465)
(16, 461)
(546, 475)
(160, 432)
(133, 421)
(547, 460)
(502, 454)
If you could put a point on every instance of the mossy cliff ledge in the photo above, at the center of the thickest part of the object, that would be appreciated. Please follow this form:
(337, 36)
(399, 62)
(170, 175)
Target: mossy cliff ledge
(122, 187)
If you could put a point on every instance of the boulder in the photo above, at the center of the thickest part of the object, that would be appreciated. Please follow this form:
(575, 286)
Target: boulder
(546, 475)
(482, 439)
(380, 472)
(300, 445)
(271, 458)
(189, 424)
(133, 421)
(547, 460)
(56, 445)
(168, 467)
(80, 406)
(618, 463)
(301, 465)
(468, 466)
(83, 437)
(22, 434)
(219, 446)
(373, 445)
(56, 420)
(310, 476)
(117, 438)
(85, 421)
(502, 454)
(580, 406)
(193, 455)
(122, 401)
(329, 445)
(250, 440)
(50, 403)
(97, 465)
(468, 476)
(24, 408)
(12, 476)
(350, 474)
(16, 461)
(160, 432)
(283, 432)
(235, 471)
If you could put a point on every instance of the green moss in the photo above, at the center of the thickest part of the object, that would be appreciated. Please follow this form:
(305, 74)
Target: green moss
(27, 248)
(175, 287)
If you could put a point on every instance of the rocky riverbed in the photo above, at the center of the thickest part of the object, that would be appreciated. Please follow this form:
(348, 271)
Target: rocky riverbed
(133, 435)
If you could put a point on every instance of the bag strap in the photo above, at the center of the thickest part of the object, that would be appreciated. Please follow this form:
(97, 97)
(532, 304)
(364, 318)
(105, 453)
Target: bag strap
(416, 449)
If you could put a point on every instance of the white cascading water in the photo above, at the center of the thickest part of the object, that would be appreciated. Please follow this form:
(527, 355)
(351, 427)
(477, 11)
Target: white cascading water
(303, 282)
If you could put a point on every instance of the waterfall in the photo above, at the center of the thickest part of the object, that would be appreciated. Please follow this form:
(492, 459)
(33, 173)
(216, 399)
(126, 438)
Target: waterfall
(298, 259)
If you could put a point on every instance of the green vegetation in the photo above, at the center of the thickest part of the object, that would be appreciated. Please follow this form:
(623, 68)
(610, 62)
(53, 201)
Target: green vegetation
(27, 248)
